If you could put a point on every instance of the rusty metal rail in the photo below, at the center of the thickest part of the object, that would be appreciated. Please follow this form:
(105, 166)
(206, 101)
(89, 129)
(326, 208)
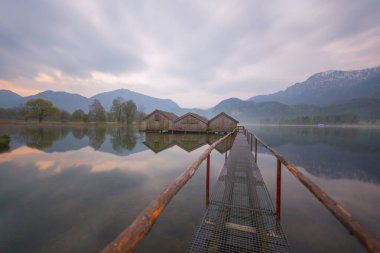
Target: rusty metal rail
(365, 237)
(128, 240)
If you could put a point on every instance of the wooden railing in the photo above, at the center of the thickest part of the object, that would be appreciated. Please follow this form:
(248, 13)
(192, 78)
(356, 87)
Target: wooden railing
(366, 238)
(128, 240)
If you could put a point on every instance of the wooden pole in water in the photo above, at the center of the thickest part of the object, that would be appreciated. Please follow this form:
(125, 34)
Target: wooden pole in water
(128, 240)
(278, 190)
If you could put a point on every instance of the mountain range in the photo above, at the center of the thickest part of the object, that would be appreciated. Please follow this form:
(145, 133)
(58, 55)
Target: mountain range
(326, 88)
(70, 101)
(327, 93)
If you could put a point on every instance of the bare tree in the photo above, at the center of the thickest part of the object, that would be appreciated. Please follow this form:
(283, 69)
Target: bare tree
(97, 112)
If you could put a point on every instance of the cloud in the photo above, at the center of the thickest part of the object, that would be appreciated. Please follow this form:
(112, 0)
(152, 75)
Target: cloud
(214, 50)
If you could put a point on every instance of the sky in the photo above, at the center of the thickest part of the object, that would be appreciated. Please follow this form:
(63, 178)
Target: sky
(194, 52)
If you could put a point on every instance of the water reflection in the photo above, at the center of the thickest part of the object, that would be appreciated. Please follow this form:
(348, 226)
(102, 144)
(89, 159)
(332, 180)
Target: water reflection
(117, 140)
(74, 189)
(335, 153)
(122, 138)
(40, 138)
(158, 142)
(343, 162)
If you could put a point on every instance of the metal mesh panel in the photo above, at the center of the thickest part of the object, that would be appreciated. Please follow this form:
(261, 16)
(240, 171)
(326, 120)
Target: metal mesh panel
(240, 217)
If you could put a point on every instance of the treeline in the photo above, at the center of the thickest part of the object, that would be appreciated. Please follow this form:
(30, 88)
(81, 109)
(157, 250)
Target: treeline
(315, 120)
(121, 111)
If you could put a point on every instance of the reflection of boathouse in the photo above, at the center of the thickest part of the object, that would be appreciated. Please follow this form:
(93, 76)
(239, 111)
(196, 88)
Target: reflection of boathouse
(190, 142)
(161, 121)
(158, 142)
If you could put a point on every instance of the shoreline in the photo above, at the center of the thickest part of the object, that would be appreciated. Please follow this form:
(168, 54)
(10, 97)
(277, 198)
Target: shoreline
(22, 123)
(375, 126)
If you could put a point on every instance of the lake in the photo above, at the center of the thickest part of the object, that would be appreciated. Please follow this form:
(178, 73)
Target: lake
(75, 189)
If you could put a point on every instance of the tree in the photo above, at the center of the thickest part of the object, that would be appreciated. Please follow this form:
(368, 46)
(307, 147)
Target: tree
(41, 109)
(78, 115)
(64, 116)
(97, 112)
(140, 114)
(22, 111)
(117, 109)
(129, 111)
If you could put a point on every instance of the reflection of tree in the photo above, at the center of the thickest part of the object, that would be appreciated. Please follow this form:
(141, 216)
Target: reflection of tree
(122, 138)
(96, 137)
(78, 132)
(65, 131)
(40, 138)
(4, 143)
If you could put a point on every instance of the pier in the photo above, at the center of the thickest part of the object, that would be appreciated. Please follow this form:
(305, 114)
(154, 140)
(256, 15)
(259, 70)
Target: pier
(240, 216)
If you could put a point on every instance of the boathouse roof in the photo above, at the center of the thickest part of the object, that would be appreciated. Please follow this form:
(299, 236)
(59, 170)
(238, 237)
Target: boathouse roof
(197, 116)
(225, 114)
(168, 115)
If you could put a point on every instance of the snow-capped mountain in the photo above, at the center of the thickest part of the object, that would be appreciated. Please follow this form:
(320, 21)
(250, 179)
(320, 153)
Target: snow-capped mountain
(329, 87)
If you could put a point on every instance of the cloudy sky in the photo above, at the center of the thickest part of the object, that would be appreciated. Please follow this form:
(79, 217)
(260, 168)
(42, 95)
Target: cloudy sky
(194, 52)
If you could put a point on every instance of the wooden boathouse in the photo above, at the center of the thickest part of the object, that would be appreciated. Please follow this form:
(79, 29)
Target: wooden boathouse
(159, 121)
(191, 122)
(162, 121)
(222, 123)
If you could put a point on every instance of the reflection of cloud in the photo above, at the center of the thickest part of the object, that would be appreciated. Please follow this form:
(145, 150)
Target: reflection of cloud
(44, 165)
(14, 154)
(99, 162)
(87, 209)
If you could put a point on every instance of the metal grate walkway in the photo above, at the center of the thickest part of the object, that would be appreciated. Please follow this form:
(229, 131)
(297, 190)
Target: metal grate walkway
(240, 216)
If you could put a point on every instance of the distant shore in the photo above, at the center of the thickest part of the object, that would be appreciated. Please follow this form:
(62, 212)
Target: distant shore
(318, 125)
(58, 123)
(5, 123)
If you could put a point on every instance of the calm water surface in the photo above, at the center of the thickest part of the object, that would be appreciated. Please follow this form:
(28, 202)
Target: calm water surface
(76, 189)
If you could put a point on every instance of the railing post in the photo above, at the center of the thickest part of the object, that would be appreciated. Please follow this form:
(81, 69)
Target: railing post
(208, 180)
(255, 150)
(251, 141)
(226, 148)
(278, 190)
